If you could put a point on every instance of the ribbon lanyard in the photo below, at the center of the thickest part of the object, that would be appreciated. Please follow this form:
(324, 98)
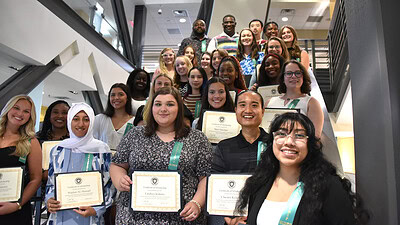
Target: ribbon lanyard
(175, 155)
(292, 205)
(261, 148)
(203, 45)
(197, 109)
(128, 128)
(87, 165)
(293, 104)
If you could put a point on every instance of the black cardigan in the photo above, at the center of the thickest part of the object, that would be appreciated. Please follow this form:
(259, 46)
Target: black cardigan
(336, 209)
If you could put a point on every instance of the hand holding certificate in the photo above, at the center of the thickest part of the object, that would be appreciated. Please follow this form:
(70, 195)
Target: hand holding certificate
(156, 191)
(11, 184)
(223, 193)
(74, 190)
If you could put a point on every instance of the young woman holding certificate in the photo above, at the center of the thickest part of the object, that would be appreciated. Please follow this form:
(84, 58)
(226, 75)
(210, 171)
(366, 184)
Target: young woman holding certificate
(164, 139)
(295, 84)
(295, 184)
(215, 97)
(19, 147)
(80, 153)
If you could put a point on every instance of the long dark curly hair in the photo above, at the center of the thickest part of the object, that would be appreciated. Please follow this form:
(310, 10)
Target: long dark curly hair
(314, 171)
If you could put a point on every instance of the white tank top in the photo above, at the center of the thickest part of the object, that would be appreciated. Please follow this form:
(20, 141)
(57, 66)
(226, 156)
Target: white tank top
(270, 212)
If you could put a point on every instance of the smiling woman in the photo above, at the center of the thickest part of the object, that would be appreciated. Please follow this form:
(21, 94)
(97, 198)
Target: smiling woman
(117, 119)
(248, 53)
(295, 184)
(139, 86)
(79, 153)
(151, 148)
(19, 147)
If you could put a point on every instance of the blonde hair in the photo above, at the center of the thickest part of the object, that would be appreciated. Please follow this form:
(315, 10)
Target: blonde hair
(146, 108)
(177, 78)
(26, 131)
(163, 67)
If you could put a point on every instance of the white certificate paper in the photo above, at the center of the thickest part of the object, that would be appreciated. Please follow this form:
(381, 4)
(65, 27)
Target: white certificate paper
(223, 192)
(46, 148)
(218, 126)
(11, 184)
(271, 113)
(269, 91)
(79, 189)
(156, 191)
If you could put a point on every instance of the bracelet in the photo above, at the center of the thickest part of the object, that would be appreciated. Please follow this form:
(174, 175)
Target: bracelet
(19, 206)
(195, 202)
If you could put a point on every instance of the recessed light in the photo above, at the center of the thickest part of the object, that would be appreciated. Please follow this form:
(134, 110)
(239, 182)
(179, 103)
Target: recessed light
(284, 19)
(182, 20)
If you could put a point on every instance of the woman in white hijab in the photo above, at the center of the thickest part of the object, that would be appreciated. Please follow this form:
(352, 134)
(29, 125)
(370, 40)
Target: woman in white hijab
(79, 153)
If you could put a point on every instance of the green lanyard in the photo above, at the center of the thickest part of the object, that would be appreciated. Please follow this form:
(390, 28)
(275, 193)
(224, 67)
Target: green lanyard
(87, 165)
(128, 128)
(175, 155)
(293, 104)
(292, 205)
(197, 109)
(261, 148)
(203, 45)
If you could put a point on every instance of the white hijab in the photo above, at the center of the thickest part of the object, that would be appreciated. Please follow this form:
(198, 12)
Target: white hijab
(86, 144)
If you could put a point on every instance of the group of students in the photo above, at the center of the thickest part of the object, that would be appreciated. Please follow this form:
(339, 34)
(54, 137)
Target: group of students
(147, 119)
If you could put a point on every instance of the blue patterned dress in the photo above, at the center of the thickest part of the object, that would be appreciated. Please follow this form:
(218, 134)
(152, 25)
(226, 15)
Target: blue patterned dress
(63, 160)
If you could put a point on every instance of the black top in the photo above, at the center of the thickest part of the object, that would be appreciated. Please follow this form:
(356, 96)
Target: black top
(336, 206)
(236, 155)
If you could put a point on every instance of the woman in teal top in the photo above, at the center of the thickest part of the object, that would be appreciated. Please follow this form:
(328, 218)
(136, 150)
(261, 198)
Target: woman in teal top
(79, 153)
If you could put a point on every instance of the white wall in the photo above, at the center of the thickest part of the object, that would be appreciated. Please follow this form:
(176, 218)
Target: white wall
(36, 36)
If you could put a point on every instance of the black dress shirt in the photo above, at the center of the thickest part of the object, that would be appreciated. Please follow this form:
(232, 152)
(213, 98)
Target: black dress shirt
(236, 155)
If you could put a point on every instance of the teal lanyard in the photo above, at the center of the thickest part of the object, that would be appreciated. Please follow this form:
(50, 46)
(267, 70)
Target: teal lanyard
(292, 205)
(175, 155)
(23, 158)
(128, 128)
(261, 148)
(293, 104)
(87, 165)
(197, 109)
(203, 45)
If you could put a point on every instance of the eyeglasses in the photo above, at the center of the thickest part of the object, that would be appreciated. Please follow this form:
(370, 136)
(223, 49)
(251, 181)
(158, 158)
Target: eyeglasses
(281, 136)
(274, 47)
(296, 73)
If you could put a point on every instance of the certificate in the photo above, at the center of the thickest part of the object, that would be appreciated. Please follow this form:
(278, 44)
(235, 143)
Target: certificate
(218, 126)
(223, 192)
(268, 92)
(79, 189)
(156, 191)
(11, 184)
(46, 148)
(271, 113)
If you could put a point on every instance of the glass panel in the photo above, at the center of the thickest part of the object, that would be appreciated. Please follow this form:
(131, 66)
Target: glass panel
(100, 16)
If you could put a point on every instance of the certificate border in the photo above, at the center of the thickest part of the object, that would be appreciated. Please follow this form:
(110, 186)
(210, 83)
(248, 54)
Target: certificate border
(93, 171)
(204, 125)
(207, 196)
(21, 182)
(47, 154)
(157, 171)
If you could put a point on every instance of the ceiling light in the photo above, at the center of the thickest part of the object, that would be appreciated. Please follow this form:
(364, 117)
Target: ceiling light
(182, 20)
(284, 19)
